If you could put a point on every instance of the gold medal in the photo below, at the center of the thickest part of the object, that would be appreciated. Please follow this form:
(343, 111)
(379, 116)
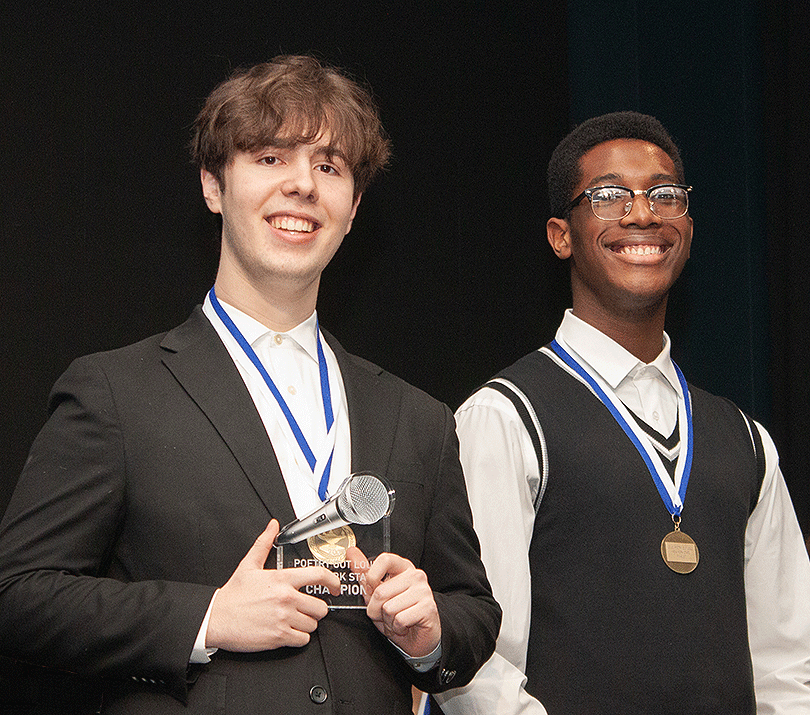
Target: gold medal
(331, 546)
(679, 551)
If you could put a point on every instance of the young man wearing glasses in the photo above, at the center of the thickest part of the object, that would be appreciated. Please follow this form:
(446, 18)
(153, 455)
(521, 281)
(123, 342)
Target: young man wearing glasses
(636, 530)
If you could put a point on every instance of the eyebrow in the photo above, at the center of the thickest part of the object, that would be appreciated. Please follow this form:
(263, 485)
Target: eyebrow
(617, 178)
(331, 152)
(328, 152)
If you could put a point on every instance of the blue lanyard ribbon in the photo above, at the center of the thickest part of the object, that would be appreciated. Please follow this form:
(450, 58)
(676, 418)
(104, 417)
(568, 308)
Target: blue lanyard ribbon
(326, 394)
(657, 478)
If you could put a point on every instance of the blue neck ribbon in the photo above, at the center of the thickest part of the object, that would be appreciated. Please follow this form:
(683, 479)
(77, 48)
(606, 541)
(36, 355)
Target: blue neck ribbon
(674, 510)
(326, 394)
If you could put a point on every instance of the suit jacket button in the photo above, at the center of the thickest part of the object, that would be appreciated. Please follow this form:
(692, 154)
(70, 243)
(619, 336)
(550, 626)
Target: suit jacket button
(447, 675)
(317, 694)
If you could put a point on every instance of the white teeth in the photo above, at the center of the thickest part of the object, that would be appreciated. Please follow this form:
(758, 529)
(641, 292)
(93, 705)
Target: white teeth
(289, 223)
(640, 250)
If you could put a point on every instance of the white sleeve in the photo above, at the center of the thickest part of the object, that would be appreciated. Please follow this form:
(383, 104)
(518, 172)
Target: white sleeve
(501, 469)
(777, 590)
(200, 654)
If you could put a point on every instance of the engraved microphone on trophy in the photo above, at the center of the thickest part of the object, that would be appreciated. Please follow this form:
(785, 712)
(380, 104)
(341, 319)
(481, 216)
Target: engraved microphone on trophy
(362, 499)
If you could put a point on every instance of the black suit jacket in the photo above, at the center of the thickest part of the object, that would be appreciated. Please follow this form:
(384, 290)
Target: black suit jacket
(148, 484)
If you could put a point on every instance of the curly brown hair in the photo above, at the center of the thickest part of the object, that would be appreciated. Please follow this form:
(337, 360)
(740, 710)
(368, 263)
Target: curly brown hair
(292, 99)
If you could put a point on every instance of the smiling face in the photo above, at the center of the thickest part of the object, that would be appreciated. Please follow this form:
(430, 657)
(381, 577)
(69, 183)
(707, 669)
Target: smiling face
(285, 211)
(624, 267)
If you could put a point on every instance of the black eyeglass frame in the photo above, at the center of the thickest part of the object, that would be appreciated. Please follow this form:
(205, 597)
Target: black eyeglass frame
(589, 193)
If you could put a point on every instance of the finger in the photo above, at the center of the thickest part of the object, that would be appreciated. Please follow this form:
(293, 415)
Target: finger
(299, 578)
(311, 607)
(359, 564)
(405, 610)
(399, 593)
(357, 559)
(296, 639)
(387, 566)
(412, 615)
(303, 622)
(257, 555)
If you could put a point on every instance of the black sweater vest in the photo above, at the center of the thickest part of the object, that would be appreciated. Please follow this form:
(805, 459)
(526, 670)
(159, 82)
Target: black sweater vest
(613, 630)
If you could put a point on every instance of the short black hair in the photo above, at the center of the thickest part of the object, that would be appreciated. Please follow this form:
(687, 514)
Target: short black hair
(564, 171)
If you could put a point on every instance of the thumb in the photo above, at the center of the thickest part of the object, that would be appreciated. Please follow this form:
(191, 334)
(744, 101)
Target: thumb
(357, 560)
(257, 555)
(360, 565)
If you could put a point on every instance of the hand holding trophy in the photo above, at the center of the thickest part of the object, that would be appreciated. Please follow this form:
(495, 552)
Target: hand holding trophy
(362, 499)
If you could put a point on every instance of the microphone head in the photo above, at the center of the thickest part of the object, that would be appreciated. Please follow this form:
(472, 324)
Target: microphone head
(364, 499)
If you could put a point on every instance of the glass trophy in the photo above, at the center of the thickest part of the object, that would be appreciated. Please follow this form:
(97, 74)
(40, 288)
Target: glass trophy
(358, 515)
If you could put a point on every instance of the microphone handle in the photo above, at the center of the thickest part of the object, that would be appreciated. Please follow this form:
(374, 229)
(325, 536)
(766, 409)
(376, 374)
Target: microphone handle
(324, 518)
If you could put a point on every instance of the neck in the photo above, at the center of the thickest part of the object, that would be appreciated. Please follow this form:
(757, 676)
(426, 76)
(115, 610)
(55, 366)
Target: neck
(277, 307)
(640, 332)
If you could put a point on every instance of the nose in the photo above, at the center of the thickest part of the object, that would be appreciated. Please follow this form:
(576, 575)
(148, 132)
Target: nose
(640, 212)
(299, 181)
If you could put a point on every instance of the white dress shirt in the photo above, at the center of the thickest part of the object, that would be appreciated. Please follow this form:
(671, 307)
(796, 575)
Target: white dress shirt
(291, 360)
(503, 479)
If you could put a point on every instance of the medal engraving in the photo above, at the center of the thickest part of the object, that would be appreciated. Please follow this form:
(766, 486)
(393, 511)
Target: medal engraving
(680, 552)
(331, 546)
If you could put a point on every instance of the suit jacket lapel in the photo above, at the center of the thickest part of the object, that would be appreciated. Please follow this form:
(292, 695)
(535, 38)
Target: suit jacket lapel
(200, 362)
(373, 405)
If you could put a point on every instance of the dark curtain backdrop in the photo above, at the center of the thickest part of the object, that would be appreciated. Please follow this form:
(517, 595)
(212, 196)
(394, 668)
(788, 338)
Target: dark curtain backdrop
(729, 80)
(446, 276)
(786, 51)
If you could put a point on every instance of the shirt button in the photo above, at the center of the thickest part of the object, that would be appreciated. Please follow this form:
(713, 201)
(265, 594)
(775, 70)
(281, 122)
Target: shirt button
(317, 694)
(656, 416)
(279, 339)
(291, 389)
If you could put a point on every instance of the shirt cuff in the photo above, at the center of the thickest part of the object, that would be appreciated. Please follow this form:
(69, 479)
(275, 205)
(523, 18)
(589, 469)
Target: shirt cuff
(200, 654)
(424, 663)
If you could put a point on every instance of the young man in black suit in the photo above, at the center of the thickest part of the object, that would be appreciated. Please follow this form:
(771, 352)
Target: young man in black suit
(129, 552)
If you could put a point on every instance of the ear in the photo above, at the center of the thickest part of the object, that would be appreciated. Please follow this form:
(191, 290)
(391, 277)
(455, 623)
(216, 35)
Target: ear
(354, 211)
(689, 246)
(211, 191)
(559, 237)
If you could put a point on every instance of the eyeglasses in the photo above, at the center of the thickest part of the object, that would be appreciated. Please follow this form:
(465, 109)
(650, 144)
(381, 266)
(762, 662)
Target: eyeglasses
(613, 203)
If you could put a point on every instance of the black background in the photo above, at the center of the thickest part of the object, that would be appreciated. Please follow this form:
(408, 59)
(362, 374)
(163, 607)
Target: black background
(446, 276)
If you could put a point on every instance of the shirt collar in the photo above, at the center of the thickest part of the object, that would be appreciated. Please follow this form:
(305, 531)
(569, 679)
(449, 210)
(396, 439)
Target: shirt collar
(305, 333)
(605, 356)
